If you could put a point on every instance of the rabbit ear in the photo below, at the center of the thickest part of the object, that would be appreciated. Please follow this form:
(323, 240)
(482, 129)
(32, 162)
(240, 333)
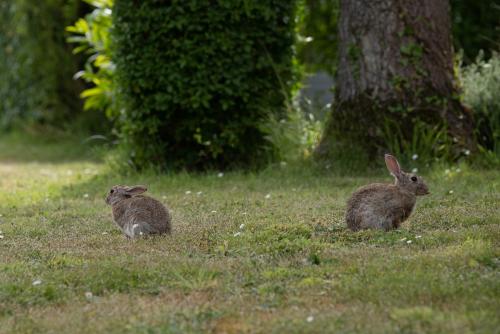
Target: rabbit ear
(393, 165)
(135, 190)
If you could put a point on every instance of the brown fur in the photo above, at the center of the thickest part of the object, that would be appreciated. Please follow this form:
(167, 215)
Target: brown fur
(136, 214)
(385, 206)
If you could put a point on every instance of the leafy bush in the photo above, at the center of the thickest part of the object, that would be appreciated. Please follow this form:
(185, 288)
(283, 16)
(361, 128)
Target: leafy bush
(295, 134)
(197, 78)
(481, 86)
(91, 35)
(36, 66)
(429, 143)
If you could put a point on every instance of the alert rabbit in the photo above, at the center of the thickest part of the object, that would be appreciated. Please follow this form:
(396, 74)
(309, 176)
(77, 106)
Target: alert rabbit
(138, 214)
(385, 206)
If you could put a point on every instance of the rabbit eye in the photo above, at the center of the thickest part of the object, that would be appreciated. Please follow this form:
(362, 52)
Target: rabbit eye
(414, 178)
(111, 191)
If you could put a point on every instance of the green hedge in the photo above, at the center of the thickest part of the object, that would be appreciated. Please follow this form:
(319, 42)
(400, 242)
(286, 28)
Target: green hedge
(36, 65)
(197, 78)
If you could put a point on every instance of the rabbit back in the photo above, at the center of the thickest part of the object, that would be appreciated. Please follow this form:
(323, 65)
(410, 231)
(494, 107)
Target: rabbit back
(378, 206)
(142, 215)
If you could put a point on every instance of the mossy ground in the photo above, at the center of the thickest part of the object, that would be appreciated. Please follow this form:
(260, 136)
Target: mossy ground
(265, 252)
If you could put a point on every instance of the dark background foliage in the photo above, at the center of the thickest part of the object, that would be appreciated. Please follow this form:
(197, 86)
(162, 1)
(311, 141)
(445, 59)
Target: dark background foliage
(36, 64)
(197, 79)
(317, 46)
(476, 26)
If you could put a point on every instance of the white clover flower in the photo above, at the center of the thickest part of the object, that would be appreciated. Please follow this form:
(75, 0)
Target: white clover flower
(220, 174)
(85, 195)
(403, 239)
(414, 157)
(310, 318)
(414, 170)
(237, 234)
(467, 152)
(450, 192)
(244, 213)
(409, 242)
(213, 211)
(418, 236)
(447, 171)
(88, 295)
(36, 282)
(164, 197)
(199, 193)
(308, 39)
(1, 236)
(268, 196)
(188, 192)
(458, 170)
(242, 226)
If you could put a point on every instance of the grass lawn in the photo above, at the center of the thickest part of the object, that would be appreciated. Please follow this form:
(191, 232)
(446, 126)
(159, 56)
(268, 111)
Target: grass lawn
(265, 253)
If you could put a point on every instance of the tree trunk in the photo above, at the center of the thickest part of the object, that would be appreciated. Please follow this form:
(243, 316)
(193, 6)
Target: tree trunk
(395, 67)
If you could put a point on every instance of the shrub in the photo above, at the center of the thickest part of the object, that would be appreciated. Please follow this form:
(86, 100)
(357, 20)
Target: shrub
(197, 78)
(296, 134)
(481, 86)
(91, 35)
(428, 143)
(36, 66)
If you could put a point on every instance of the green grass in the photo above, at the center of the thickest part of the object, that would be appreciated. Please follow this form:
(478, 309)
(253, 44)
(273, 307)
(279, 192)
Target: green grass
(293, 259)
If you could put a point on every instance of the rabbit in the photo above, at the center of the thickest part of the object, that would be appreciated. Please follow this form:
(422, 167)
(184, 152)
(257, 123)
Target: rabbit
(385, 206)
(136, 214)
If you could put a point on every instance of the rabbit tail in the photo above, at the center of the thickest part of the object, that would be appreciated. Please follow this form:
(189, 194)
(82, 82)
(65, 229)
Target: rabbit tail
(137, 229)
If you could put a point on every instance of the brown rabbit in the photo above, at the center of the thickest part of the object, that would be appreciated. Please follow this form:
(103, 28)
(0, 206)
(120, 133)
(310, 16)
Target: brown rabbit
(385, 206)
(137, 214)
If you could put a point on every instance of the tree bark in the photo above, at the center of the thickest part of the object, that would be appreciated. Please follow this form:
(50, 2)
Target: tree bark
(395, 64)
